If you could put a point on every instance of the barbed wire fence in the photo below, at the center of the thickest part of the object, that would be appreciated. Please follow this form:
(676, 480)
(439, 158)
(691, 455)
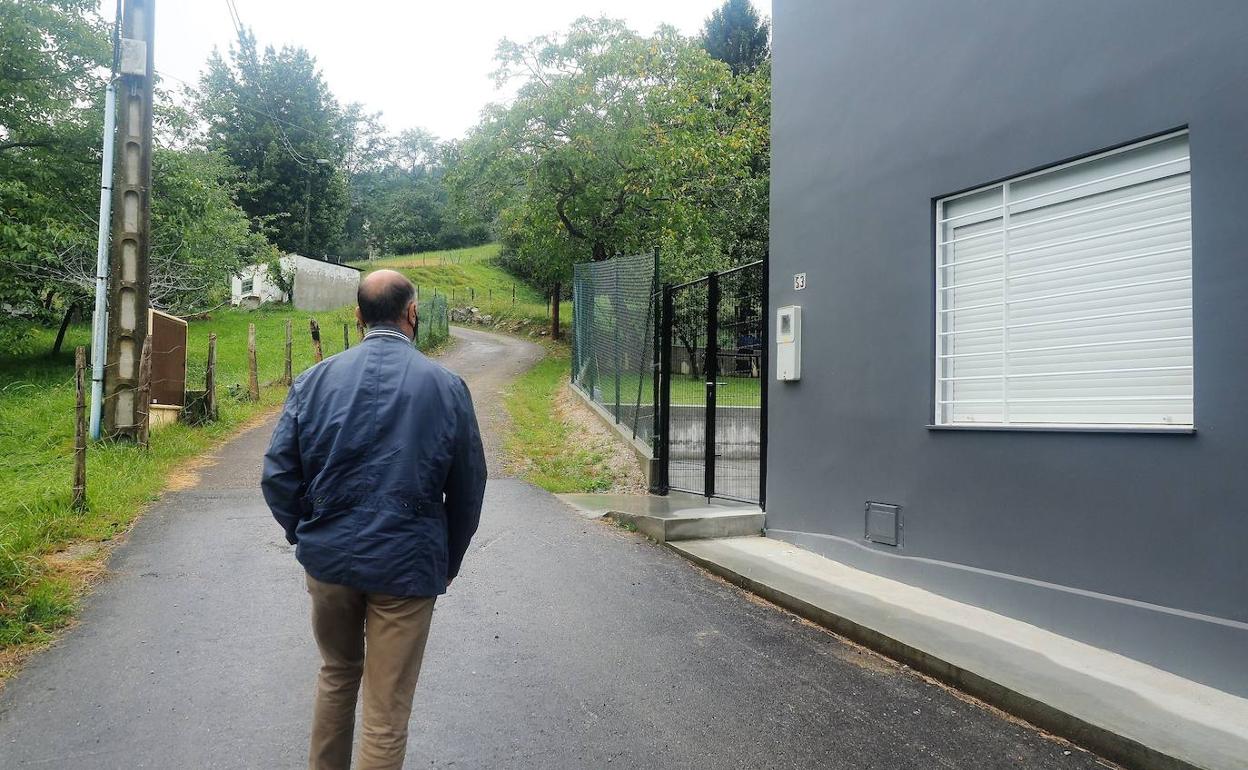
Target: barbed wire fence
(613, 338)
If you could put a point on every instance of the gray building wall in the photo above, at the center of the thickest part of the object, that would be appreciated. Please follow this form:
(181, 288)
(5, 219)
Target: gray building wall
(321, 285)
(1134, 542)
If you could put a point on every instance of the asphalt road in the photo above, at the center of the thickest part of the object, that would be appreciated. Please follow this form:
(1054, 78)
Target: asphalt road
(565, 643)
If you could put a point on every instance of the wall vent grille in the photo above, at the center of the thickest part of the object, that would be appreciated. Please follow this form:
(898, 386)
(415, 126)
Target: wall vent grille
(883, 523)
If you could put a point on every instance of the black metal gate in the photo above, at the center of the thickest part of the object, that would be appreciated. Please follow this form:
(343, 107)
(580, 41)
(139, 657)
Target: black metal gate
(712, 420)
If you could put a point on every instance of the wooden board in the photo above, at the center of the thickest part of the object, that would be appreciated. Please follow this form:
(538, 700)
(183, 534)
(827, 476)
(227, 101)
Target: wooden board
(168, 358)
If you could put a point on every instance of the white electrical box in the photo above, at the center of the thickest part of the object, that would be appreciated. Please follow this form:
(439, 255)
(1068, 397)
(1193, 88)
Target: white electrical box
(789, 343)
(133, 56)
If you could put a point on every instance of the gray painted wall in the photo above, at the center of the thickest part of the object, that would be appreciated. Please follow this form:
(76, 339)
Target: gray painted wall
(1133, 542)
(321, 286)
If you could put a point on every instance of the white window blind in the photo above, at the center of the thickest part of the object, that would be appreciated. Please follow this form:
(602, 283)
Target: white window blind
(1064, 297)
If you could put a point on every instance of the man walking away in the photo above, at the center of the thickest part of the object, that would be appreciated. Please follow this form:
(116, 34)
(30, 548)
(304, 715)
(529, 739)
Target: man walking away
(376, 473)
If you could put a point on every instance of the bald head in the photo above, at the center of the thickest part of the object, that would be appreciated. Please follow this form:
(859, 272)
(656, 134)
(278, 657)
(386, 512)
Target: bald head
(383, 297)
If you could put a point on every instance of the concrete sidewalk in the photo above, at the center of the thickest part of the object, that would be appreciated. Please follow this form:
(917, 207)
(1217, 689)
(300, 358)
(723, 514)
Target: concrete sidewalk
(1121, 708)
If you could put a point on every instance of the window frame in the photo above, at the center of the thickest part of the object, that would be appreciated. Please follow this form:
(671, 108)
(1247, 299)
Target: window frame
(938, 204)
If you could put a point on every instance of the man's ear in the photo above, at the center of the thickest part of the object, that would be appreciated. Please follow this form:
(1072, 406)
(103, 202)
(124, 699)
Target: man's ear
(359, 317)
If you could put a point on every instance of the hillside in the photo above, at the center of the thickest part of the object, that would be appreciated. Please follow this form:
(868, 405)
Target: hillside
(471, 278)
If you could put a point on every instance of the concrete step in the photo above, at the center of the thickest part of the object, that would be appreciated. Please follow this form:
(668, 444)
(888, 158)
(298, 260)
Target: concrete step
(674, 517)
(1120, 708)
(695, 526)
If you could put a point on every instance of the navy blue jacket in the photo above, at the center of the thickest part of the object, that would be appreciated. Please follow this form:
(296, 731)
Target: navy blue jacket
(375, 469)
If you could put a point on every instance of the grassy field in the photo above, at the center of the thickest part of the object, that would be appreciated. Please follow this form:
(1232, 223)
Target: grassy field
(472, 277)
(39, 582)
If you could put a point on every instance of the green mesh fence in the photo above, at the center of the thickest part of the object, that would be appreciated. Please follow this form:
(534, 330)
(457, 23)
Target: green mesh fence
(613, 338)
(435, 328)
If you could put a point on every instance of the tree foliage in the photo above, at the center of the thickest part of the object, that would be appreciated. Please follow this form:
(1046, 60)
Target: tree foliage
(54, 58)
(362, 191)
(615, 143)
(272, 114)
(50, 96)
(200, 236)
(738, 36)
(399, 203)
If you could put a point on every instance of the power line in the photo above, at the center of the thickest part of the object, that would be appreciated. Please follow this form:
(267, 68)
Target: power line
(234, 17)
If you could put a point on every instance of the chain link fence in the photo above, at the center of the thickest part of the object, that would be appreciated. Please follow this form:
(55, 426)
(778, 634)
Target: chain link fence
(613, 338)
(434, 316)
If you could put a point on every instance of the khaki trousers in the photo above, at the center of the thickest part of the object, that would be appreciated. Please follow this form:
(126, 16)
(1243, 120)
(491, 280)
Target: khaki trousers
(381, 640)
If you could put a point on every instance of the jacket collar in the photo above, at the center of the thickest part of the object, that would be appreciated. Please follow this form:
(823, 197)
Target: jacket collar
(386, 330)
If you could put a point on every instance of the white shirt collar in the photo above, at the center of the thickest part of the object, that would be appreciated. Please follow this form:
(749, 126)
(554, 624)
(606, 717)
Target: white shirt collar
(387, 333)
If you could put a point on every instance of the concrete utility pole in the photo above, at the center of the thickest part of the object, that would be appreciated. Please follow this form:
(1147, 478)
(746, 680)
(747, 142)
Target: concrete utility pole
(129, 282)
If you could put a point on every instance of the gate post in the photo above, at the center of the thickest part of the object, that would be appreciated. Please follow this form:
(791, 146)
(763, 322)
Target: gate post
(765, 355)
(615, 334)
(577, 337)
(656, 311)
(711, 369)
(663, 484)
(591, 320)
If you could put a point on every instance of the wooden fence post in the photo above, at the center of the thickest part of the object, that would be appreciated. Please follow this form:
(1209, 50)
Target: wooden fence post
(210, 377)
(145, 393)
(346, 336)
(80, 429)
(315, 329)
(513, 293)
(253, 374)
(288, 372)
(554, 316)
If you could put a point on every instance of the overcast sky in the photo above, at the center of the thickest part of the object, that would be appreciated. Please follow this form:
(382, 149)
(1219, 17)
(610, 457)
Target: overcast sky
(422, 63)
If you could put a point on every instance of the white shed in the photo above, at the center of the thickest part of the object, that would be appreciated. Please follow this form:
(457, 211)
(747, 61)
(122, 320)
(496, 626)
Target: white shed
(318, 285)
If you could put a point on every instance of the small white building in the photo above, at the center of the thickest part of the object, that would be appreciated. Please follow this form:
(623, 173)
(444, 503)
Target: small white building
(317, 285)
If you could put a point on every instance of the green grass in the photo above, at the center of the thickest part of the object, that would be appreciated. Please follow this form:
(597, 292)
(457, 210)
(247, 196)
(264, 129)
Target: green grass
(472, 277)
(36, 446)
(540, 444)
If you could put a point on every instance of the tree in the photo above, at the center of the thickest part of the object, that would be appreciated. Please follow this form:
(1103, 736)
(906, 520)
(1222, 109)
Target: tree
(736, 35)
(273, 117)
(51, 89)
(200, 237)
(615, 143)
(398, 199)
